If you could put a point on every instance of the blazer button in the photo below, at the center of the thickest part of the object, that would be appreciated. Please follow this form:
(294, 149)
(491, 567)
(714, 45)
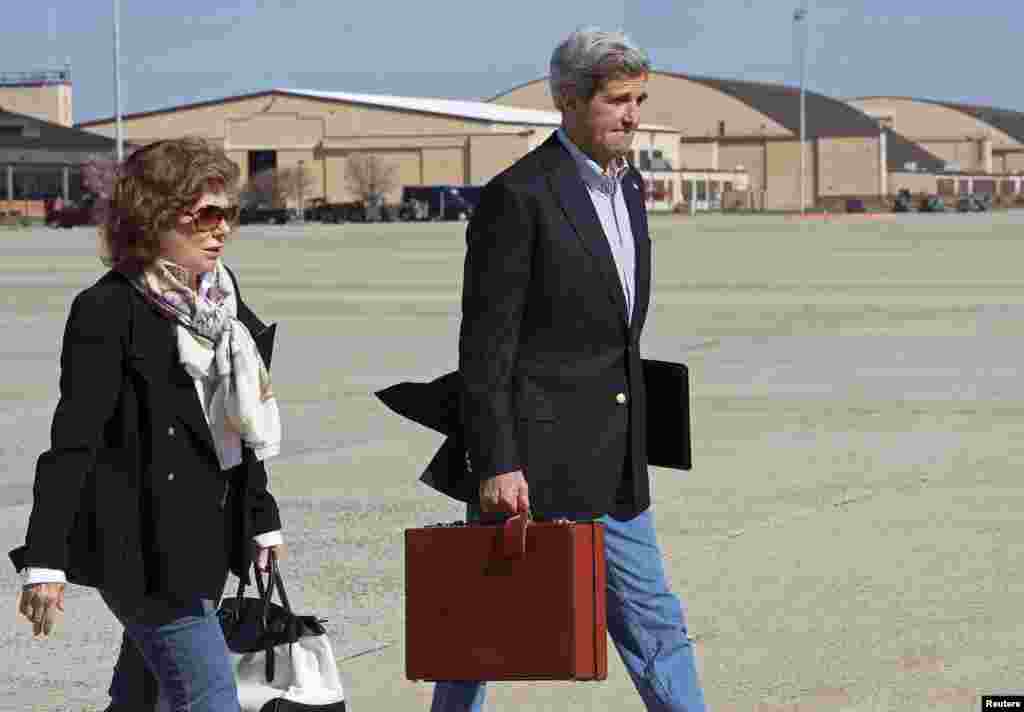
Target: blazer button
(170, 476)
(620, 398)
(170, 431)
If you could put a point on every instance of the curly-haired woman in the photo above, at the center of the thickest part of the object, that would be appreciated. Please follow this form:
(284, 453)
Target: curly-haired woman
(154, 486)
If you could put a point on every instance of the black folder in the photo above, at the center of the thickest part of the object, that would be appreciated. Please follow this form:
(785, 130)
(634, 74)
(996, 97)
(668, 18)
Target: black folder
(436, 405)
(265, 343)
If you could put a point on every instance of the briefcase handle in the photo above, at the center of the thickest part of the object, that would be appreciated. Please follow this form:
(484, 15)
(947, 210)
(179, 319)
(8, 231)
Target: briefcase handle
(513, 536)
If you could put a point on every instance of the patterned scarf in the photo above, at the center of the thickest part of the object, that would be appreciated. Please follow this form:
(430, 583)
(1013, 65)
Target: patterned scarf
(217, 349)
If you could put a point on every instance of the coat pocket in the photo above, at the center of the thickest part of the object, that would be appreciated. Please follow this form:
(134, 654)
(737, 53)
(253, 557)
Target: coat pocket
(534, 404)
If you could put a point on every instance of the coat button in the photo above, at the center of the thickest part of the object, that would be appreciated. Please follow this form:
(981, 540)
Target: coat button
(170, 431)
(170, 476)
(620, 398)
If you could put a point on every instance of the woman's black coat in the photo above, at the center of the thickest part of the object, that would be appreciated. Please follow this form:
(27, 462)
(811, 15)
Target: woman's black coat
(130, 497)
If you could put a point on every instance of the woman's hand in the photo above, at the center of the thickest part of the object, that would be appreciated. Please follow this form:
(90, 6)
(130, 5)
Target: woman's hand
(263, 556)
(39, 603)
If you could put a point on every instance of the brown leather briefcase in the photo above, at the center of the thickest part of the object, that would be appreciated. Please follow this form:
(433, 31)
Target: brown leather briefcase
(515, 601)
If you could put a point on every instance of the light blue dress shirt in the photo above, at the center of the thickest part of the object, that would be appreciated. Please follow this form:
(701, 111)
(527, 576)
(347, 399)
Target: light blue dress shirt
(605, 190)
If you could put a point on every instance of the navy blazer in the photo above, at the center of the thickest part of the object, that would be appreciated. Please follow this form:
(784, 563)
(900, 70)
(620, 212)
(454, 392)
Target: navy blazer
(130, 496)
(552, 376)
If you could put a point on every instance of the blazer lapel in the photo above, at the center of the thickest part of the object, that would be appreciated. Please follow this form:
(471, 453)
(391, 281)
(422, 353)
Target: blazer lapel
(154, 355)
(572, 195)
(642, 241)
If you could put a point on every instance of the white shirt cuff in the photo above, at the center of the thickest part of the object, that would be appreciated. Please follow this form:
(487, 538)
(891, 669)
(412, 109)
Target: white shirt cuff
(32, 575)
(268, 539)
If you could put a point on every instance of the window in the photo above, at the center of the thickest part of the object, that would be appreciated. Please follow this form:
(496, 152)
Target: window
(985, 186)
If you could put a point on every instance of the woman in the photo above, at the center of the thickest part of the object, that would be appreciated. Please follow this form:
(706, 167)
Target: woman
(164, 419)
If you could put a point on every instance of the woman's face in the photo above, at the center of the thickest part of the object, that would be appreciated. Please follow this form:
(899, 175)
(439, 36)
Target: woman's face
(197, 240)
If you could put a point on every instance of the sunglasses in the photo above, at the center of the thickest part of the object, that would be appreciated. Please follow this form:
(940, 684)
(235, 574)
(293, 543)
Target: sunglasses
(209, 216)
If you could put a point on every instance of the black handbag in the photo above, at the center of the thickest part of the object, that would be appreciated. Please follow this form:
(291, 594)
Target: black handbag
(282, 662)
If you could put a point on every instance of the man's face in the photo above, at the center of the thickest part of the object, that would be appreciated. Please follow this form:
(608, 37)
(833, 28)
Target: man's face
(603, 127)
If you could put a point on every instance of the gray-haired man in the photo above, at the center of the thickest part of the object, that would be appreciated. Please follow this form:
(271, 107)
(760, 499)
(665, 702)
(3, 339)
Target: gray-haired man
(555, 295)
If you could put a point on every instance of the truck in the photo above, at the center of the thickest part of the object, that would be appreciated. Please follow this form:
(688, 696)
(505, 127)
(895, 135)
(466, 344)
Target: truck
(439, 202)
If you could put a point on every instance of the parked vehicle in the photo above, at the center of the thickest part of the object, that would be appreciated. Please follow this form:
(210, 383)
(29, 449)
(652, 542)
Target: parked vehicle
(904, 202)
(70, 213)
(265, 215)
(444, 202)
(932, 204)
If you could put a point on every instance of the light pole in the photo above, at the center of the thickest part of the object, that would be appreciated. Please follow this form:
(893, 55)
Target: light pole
(800, 16)
(117, 81)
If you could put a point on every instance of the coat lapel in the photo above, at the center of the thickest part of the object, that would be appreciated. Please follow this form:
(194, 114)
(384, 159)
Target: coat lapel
(642, 241)
(572, 195)
(154, 355)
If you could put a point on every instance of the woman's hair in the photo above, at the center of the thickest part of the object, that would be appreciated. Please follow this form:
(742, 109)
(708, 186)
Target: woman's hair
(588, 58)
(152, 188)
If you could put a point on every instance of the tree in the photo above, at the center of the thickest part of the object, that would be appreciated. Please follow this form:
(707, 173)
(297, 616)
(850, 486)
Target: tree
(369, 177)
(296, 182)
(99, 173)
(277, 186)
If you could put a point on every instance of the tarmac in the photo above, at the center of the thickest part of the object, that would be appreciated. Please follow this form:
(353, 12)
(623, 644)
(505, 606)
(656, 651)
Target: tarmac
(850, 537)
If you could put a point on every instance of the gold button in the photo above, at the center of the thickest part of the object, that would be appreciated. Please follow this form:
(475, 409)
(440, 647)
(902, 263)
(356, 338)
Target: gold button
(170, 431)
(620, 398)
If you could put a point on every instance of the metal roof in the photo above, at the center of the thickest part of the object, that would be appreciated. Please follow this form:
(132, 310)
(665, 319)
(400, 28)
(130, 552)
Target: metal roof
(826, 117)
(47, 135)
(1008, 121)
(474, 110)
(899, 151)
(477, 110)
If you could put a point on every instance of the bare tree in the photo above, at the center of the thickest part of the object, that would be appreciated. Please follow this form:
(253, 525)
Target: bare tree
(99, 173)
(275, 187)
(369, 177)
(296, 182)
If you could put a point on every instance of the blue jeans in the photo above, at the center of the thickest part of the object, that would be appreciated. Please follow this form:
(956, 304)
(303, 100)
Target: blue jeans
(645, 621)
(182, 645)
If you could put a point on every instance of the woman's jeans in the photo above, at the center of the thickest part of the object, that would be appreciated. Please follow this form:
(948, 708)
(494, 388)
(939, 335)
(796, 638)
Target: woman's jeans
(181, 644)
(645, 621)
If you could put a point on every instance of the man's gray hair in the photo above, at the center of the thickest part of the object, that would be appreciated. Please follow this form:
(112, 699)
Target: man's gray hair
(589, 57)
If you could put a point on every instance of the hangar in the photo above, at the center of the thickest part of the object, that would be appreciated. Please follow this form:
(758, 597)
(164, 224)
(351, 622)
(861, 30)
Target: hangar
(755, 127)
(980, 148)
(425, 140)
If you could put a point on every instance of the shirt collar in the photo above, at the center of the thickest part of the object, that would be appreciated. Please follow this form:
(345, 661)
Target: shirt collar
(590, 171)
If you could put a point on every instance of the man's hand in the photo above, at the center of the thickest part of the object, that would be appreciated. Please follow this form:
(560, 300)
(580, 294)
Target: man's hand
(39, 603)
(506, 494)
(263, 556)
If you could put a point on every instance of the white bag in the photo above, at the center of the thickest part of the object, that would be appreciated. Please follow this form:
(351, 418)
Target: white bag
(282, 662)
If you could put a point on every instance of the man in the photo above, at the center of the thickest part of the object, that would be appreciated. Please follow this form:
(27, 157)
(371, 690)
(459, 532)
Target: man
(555, 294)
